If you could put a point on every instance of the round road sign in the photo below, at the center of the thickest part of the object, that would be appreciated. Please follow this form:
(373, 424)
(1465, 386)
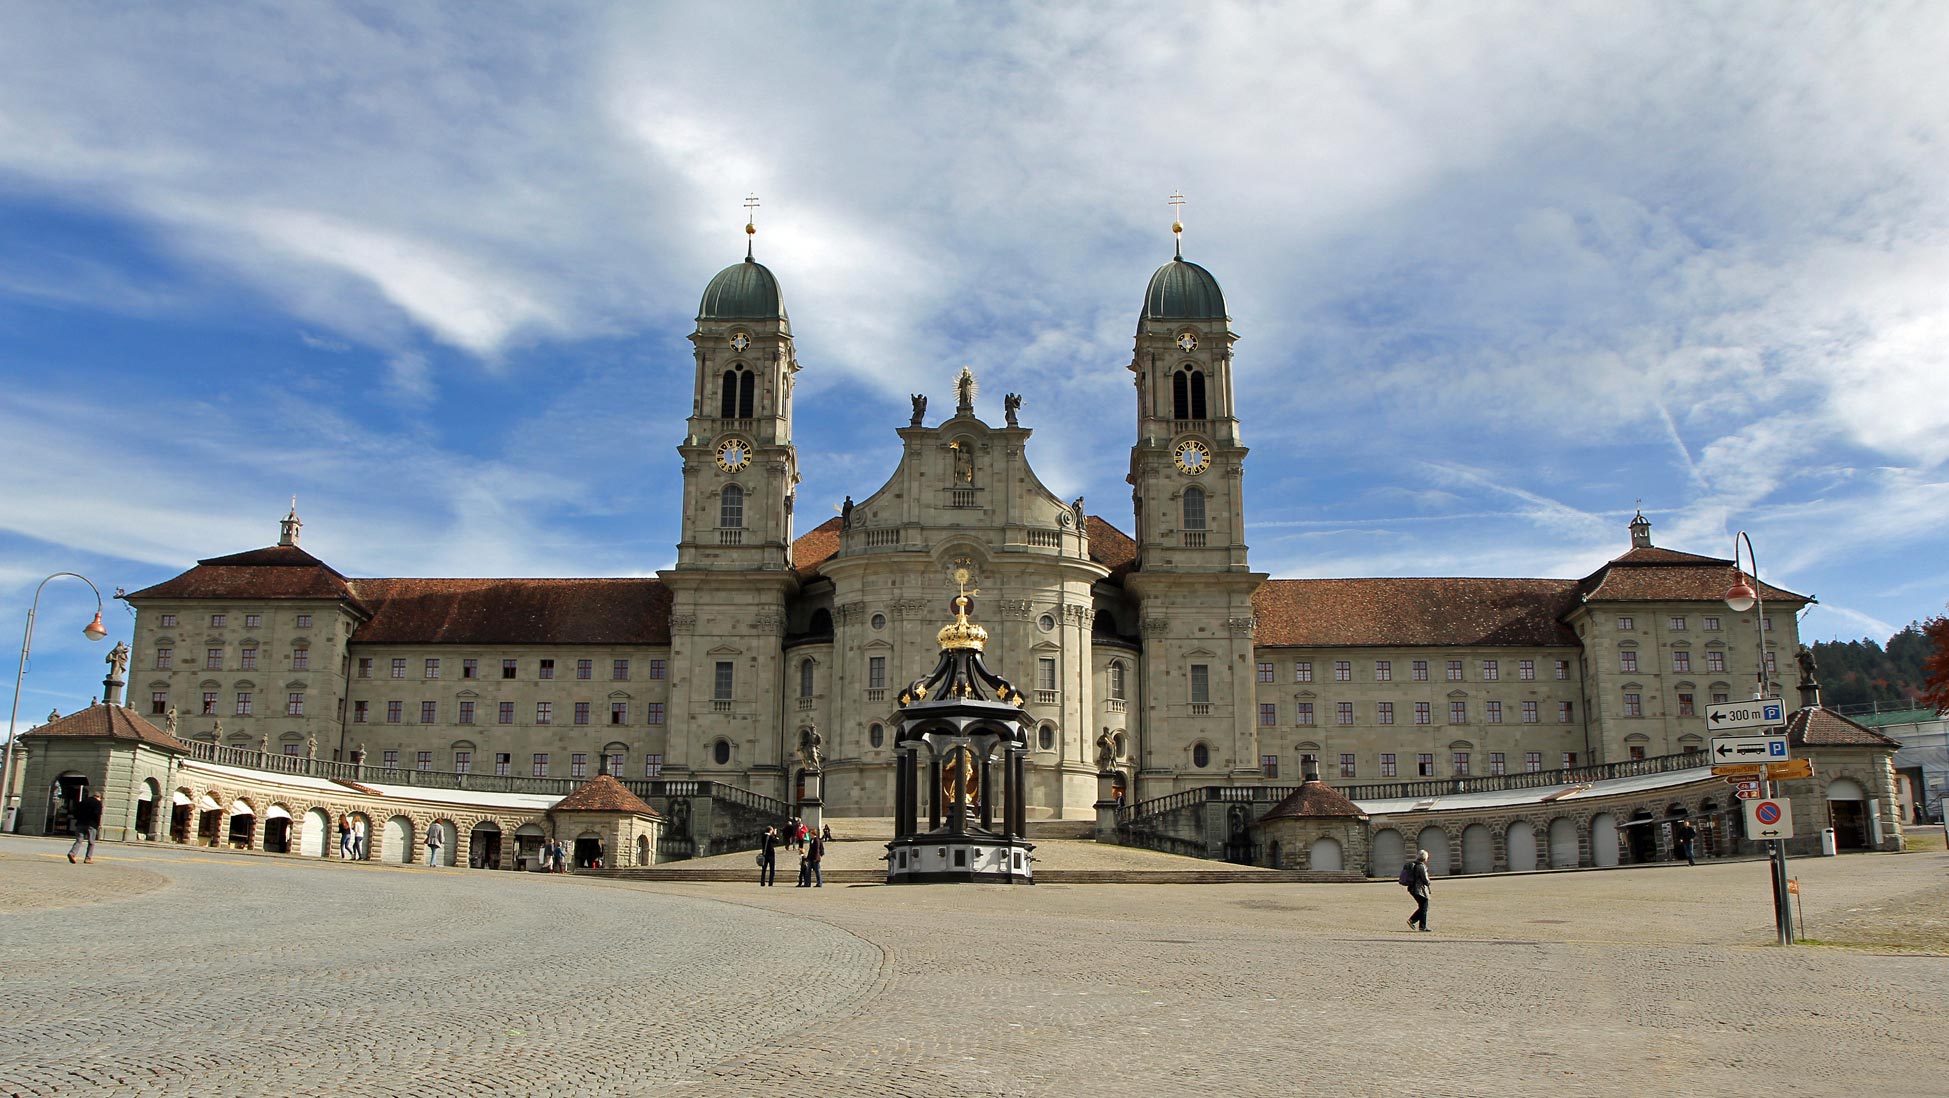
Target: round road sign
(1767, 812)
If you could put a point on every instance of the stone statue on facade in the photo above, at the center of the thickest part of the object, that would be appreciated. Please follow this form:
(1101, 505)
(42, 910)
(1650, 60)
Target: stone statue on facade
(118, 660)
(1076, 509)
(846, 514)
(1011, 404)
(171, 728)
(1106, 750)
(809, 754)
(965, 388)
(264, 744)
(920, 409)
(311, 747)
(358, 755)
(1809, 668)
(53, 715)
(217, 732)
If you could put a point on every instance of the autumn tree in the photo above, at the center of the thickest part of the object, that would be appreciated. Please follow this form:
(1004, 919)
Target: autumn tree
(1935, 669)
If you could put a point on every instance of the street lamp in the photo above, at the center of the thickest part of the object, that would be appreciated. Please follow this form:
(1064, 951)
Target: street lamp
(1741, 597)
(94, 631)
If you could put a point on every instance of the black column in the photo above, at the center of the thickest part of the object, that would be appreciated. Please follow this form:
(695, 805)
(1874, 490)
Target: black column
(933, 792)
(1010, 794)
(903, 803)
(1021, 794)
(987, 798)
(957, 820)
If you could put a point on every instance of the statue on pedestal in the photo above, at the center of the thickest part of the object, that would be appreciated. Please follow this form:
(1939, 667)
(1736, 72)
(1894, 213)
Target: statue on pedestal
(118, 660)
(810, 756)
(1106, 751)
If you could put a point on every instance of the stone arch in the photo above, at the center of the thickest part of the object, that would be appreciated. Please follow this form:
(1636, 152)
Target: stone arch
(528, 838)
(644, 855)
(362, 824)
(484, 845)
(1564, 849)
(1434, 840)
(314, 832)
(1478, 849)
(1603, 839)
(1388, 854)
(396, 839)
(277, 828)
(240, 831)
(147, 797)
(1519, 846)
(1326, 855)
(449, 833)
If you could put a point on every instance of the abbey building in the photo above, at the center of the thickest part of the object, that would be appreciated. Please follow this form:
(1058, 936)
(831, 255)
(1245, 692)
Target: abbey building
(1159, 647)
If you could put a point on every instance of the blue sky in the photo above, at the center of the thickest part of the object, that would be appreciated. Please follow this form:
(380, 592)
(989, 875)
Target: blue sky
(1500, 271)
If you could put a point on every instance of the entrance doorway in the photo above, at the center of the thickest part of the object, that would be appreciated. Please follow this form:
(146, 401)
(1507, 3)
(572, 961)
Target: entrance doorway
(68, 791)
(277, 830)
(484, 846)
(588, 851)
(145, 809)
(1847, 814)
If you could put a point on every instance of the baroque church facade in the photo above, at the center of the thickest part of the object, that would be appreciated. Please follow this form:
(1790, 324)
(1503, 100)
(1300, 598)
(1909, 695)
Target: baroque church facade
(1156, 656)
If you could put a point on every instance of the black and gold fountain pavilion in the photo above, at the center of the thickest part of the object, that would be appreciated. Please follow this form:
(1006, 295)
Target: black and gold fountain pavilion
(960, 750)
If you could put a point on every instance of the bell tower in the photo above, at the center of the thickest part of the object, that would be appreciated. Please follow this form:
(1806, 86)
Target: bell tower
(740, 468)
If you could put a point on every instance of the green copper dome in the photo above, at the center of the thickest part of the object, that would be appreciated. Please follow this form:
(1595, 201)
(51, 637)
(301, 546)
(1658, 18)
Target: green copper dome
(742, 291)
(1183, 291)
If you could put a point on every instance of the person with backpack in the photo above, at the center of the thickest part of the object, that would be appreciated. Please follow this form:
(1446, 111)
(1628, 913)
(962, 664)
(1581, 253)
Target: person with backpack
(1414, 877)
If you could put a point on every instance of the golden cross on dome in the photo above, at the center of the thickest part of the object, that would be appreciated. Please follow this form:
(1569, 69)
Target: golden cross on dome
(1176, 202)
(750, 221)
(962, 576)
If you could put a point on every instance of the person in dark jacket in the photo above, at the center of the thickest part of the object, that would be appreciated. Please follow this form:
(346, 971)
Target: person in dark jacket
(768, 857)
(1417, 877)
(1687, 835)
(87, 826)
(815, 853)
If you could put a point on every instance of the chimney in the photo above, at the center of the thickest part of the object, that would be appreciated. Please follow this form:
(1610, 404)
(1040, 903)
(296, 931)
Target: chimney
(1640, 531)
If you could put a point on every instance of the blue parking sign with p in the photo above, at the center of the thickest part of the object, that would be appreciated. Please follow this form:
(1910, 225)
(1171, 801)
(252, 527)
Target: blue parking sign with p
(1776, 749)
(1774, 713)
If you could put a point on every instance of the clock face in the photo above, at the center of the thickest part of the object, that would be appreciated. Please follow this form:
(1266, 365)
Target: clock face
(1193, 457)
(740, 341)
(733, 454)
(1187, 342)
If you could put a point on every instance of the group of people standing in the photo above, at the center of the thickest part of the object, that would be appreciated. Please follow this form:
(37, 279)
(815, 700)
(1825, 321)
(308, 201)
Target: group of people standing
(808, 844)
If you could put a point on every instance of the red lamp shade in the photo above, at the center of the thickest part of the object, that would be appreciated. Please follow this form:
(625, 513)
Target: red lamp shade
(95, 629)
(1740, 596)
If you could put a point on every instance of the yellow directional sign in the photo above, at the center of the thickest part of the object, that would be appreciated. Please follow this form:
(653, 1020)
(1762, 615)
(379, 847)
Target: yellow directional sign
(1789, 770)
(1738, 770)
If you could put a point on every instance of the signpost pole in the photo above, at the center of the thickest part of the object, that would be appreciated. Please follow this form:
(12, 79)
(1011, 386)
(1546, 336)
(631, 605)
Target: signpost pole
(1782, 912)
(1740, 598)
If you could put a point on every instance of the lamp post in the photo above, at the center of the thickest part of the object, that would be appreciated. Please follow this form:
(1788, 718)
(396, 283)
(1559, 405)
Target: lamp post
(94, 631)
(1741, 597)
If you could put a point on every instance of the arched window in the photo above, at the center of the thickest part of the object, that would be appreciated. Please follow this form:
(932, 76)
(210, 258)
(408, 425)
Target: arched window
(721, 752)
(730, 508)
(1194, 508)
(1046, 738)
(1116, 680)
(1188, 394)
(1200, 756)
(876, 735)
(734, 398)
(821, 625)
(805, 678)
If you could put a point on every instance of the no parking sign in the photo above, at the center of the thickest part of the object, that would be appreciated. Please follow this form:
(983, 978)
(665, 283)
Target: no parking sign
(1769, 818)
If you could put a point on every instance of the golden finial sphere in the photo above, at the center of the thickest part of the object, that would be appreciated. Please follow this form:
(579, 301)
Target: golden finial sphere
(750, 229)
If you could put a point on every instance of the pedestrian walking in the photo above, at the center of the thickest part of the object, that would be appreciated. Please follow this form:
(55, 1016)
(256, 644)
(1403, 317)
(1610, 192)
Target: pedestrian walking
(1415, 876)
(768, 857)
(1686, 835)
(358, 839)
(433, 846)
(344, 837)
(815, 855)
(87, 827)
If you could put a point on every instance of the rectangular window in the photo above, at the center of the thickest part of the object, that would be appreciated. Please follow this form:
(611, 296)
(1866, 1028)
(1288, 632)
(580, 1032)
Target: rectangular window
(544, 712)
(1694, 749)
(652, 766)
(1421, 670)
(1625, 625)
(463, 762)
(618, 712)
(1424, 765)
(1303, 713)
(1454, 670)
(1633, 705)
(1526, 670)
(581, 712)
(243, 703)
(1346, 765)
(656, 669)
(1766, 625)
(578, 765)
(1627, 660)
(216, 621)
(1268, 714)
(1342, 670)
(1458, 712)
(395, 712)
(432, 669)
(158, 702)
(301, 659)
(1383, 670)
(1687, 706)
(722, 682)
(1529, 712)
(1491, 670)
(1533, 762)
(169, 621)
(506, 713)
(1496, 765)
(470, 669)
(1045, 673)
(1460, 759)
(1715, 660)
(1676, 625)
(1423, 713)
(304, 621)
(503, 762)
(1200, 684)
(1492, 712)
(165, 658)
(389, 759)
(1269, 765)
(876, 672)
(1387, 765)
(1343, 713)
(358, 712)
(653, 713)
(619, 670)
(1563, 669)
(1711, 625)
(429, 712)
(507, 669)
(615, 765)
(1384, 713)
(1637, 751)
(294, 704)
(424, 760)
(540, 765)
(1303, 671)
(1563, 712)
(1681, 661)
(585, 669)
(547, 669)
(1720, 698)
(1265, 672)
(291, 750)
(213, 659)
(399, 668)
(1770, 668)
(253, 621)
(466, 712)
(247, 659)
(365, 667)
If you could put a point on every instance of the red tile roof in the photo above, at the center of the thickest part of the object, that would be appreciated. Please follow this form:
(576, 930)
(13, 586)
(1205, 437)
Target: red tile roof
(1825, 728)
(514, 611)
(1314, 800)
(815, 547)
(1651, 574)
(604, 794)
(115, 722)
(276, 572)
(1354, 612)
(1110, 547)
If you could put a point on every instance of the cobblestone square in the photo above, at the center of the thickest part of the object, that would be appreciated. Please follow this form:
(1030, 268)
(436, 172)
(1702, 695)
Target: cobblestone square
(172, 971)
